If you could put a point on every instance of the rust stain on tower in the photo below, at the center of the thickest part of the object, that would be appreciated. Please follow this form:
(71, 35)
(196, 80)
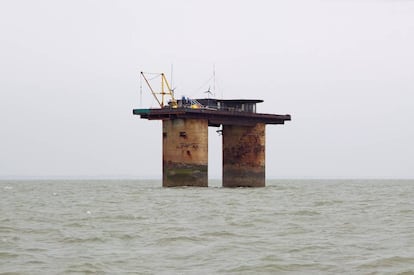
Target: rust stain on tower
(244, 155)
(185, 125)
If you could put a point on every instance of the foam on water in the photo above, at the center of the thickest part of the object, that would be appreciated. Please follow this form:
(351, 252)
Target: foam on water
(137, 226)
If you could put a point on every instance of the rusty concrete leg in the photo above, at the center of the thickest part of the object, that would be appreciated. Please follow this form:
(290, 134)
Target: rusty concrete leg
(244, 155)
(185, 152)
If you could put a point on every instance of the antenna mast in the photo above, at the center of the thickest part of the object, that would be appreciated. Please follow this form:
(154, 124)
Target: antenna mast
(214, 78)
(172, 69)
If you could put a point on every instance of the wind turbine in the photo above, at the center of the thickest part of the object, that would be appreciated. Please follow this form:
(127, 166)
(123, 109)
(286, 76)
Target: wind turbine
(208, 92)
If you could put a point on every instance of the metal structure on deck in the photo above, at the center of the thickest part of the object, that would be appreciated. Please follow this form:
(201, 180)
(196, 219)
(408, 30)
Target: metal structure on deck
(165, 91)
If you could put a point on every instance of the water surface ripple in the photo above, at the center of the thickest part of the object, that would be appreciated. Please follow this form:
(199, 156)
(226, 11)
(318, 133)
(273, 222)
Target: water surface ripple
(325, 227)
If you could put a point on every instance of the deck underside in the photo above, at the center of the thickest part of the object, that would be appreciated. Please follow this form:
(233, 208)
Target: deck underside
(214, 117)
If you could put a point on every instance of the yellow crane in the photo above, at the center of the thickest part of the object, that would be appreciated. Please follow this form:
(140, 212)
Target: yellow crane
(165, 93)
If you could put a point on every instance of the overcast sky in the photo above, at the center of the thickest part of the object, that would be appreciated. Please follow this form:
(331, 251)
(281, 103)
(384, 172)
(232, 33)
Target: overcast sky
(344, 70)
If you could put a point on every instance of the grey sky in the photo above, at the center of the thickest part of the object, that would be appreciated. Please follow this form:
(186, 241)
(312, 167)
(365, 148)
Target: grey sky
(344, 70)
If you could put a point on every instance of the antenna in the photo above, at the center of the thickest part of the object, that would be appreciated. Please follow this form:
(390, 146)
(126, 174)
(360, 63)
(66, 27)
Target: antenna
(140, 90)
(214, 78)
(172, 84)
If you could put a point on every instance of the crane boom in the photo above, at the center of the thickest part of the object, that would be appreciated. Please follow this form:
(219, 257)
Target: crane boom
(165, 91)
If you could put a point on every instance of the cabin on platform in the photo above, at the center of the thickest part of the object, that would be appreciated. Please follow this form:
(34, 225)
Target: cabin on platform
(231, 105)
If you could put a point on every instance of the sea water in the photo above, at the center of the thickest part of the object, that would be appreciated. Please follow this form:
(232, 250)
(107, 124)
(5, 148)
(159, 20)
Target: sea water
(138, 227)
